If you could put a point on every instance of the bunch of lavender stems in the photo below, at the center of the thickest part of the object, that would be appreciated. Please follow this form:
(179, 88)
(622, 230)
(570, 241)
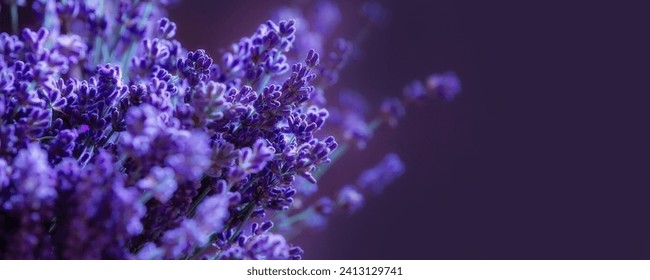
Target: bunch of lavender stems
(116, 142)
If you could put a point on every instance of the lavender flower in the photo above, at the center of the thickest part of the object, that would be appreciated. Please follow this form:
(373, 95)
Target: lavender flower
(252, 160)
(28, 202)
(265, 246)
(381, 175)
(4, 174)
(161, 181)
(223, 157)
(392, 110)
(166, 28)
(324, 206)
(445, 86)
(375, 13)
(195, 67)
(193, 232)
(32, 176)
(271, 246)
(327, 16)
(349, 199)
(415, 91)
(96, 214)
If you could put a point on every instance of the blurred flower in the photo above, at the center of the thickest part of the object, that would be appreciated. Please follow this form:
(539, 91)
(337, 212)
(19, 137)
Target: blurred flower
(350, 199)
(381, 175)
(392, 110)
(445, 86)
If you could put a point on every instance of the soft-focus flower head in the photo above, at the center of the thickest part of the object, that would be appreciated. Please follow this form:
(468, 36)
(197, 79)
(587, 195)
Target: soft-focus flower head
(445, 86)
(415, 91)
(326, 16)
(381, 175)
(392, 110)
(349, 199)
(376, 13)
(324, 206)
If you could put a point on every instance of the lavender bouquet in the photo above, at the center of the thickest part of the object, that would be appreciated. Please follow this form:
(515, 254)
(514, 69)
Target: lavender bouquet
(118, 143)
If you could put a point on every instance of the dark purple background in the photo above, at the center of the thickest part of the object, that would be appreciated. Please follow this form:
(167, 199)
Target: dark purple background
(543, 156)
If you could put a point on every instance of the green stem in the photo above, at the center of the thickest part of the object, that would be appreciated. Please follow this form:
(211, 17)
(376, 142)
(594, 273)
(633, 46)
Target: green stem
(45, 138)
(297, 217)
(263, 83)
(97, 55)
(108, 138)
(146, 197)
(126, 59)
(52, 225)
(374, 124)
(120, 162)
(190, 213)
(16, 111)
(14, 18)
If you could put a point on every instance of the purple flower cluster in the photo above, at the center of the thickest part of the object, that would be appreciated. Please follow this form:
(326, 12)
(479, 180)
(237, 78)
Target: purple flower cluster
(118, 143)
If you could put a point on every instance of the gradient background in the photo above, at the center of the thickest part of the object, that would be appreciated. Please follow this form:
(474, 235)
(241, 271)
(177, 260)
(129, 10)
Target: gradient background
(544, 155)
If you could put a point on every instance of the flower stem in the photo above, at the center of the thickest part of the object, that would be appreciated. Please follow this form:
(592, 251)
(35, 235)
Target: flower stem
(297, 217)
(263, 83)
(146, 197)
(249, 212)
(14, 18)
(374, 124)
(190, 213)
